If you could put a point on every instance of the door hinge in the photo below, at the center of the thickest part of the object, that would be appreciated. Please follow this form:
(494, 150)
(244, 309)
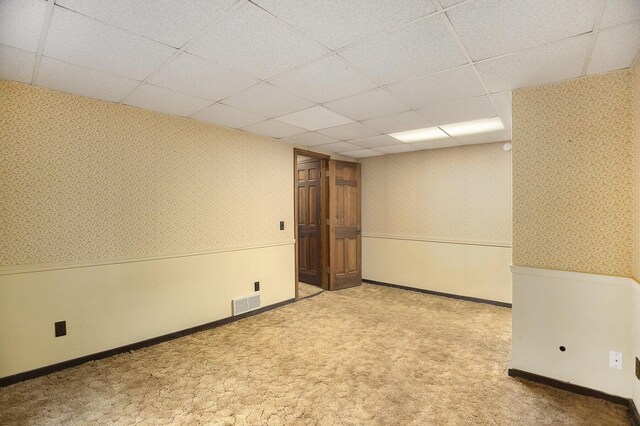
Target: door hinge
(328, 270)
(327, 221)
(327, 173)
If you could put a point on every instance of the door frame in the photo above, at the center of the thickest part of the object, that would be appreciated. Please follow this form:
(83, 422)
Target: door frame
(324, 212)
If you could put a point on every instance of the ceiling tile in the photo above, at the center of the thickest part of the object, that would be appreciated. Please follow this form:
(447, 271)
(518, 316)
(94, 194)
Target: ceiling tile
(615, 48)
(499, 136)
(446, 86)
(257, 43)
(16, 64)
(411, 51)
(449, 3)
(409, 120)
(455, 112)
(337, 24)
(339, 147)
(538, 66)
(491, 28)
(434, 144)
(372, 104)
(619, 12)
(349, 131)
(274, 129)
(325, 80)
(224, 115)
(160, 99)
(361, 153)
(315, 118)
(167, 21)
(502, 102)
(21, 23)
(395, 149)
(196, 76)
(268, 100)
(84, 41)
(311, 139)
(375, 141)
(82, 81)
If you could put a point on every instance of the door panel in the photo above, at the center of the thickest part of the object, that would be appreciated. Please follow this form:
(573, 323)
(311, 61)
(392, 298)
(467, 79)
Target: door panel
(345, 243)
(309, 223)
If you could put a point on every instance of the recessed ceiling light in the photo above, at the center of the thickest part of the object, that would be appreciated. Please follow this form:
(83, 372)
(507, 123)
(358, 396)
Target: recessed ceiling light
(473, 127)
(420, 135)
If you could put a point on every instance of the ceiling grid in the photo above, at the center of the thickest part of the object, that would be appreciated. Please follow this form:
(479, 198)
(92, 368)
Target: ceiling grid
(288, 69)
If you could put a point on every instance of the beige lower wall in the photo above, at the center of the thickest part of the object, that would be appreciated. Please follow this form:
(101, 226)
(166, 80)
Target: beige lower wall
(112, 305)
(588, 314)
(464, 269)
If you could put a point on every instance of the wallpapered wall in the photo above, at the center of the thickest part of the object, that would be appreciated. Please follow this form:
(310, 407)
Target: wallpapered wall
(572, 175)
(82, 179)
(461, 194)
(636, 170)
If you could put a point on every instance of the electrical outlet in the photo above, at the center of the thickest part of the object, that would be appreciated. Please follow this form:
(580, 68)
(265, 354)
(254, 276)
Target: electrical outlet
(60, 328)
(615, 360)
(256, 286)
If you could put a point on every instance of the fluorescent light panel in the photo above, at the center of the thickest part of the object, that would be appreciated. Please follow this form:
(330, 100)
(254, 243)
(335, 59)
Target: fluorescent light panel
(473, 127)
(429, 133)
(454, 129)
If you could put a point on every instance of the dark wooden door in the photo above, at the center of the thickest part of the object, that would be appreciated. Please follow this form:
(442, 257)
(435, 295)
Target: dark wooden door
(345, 256)
(308, 180)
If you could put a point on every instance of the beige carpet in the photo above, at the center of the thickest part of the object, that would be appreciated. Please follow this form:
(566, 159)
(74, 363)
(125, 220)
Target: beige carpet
(306, 290)
(367, 355)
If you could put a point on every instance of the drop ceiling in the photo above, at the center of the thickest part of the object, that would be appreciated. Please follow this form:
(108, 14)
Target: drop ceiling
(334, 75)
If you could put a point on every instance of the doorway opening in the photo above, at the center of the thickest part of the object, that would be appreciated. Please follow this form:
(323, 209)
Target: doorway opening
(311, 211)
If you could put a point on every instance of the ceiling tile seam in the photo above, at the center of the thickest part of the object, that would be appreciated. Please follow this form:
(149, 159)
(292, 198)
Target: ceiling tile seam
(484, 60)
(42, 40)
(85, 68)
(274, 77)
(376, 36)
(504, 55)
(313, 61)
(289, 92)
(186, 45)
(381, 86)
(107, 24)
(260, 83)
(594, 36)
(295, 29)
(322, 104)
(395, 83)
(466, 54)
(19, 48)
(619, 25)
(179, 92)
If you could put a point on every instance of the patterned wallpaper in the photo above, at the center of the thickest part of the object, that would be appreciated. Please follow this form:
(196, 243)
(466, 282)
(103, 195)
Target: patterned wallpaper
(82, 179)
(572, 175)
(460, 193)
(636, 170)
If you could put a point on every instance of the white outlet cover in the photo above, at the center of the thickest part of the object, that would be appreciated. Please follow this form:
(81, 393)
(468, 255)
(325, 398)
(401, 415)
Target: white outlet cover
(615, 360)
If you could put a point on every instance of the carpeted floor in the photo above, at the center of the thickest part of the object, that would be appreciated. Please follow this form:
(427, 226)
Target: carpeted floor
(367, 355)
(306, 290)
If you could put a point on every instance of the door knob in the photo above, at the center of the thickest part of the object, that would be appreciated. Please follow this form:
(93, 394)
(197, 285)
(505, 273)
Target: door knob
(358, 231)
